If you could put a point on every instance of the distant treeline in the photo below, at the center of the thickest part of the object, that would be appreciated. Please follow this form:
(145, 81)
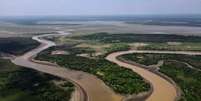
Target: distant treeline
(130, 37)
(17, 45)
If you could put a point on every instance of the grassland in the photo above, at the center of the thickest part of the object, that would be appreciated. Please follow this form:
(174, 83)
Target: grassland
(104, 42)
(150, 41)
(90, 46)
(175, 67)
(20, 84)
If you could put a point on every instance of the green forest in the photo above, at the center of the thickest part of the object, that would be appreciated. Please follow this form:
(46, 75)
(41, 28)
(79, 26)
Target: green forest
(174, 66)
(121, 80)
(21, 84)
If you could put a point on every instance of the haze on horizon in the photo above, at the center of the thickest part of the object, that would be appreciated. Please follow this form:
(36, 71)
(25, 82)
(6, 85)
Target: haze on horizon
(98, 7)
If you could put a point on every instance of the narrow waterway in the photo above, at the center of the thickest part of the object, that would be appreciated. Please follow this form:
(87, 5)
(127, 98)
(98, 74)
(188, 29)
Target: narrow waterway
(90, 87)
(162, 89)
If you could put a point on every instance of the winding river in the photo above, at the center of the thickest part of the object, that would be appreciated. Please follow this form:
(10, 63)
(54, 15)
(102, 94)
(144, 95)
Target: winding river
(89, 86)
(162, 89)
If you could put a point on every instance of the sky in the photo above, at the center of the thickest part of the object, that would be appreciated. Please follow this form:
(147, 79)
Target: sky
(98, 7)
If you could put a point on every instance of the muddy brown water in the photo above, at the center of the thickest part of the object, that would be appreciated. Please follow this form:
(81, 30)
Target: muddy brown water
(162, 89)
(93, 88)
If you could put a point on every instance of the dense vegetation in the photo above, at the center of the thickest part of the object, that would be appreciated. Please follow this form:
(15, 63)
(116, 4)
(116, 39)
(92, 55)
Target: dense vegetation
(20, 84)
(117, 47)
(129, 38)
(150, 59)
(17, 46)
(146, 59)
(185, 46)
(70, 49)
(121, 80)
(188, 79)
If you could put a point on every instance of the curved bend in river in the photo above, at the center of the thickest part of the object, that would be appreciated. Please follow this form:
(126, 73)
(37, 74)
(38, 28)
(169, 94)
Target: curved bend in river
(90, 87)
(162, 89)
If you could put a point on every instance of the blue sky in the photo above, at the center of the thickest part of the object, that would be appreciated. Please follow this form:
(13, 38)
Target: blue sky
(98, 7)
